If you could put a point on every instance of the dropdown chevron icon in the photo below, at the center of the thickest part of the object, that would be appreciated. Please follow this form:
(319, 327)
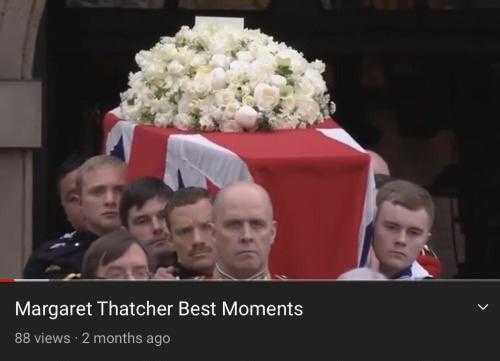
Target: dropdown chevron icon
(483, 307)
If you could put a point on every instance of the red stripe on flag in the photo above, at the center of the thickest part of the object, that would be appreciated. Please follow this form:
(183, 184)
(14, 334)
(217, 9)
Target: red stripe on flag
(7, 280)
(212, 188)
(318, 187)
(148, 151)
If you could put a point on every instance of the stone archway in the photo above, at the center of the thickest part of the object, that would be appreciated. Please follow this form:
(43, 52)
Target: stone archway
(20, 129)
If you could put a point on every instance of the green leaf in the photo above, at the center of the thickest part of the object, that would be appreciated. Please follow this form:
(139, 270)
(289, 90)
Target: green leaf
(284, 70)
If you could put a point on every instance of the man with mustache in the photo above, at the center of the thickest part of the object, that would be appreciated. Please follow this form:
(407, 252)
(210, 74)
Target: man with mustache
(100, 182)
(244, 230)
(189, 219)
(143, 213)
(405, 214)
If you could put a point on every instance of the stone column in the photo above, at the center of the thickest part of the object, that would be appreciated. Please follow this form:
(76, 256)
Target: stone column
(20, 129)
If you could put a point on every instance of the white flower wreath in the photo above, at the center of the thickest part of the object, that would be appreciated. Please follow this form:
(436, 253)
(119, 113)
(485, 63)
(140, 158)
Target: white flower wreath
(213, 78)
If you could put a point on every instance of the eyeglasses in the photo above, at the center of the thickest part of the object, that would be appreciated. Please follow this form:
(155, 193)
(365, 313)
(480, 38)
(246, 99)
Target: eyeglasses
(127, 275)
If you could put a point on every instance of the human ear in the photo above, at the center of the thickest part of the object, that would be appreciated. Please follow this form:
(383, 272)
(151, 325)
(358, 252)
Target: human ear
(274, 227)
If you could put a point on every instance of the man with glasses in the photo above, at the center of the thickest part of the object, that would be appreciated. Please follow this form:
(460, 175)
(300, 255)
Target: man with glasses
(118, 256)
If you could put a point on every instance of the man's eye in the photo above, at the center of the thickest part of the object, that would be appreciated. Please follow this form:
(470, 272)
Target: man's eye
(392, 227)
(233, 224)
(117, 275)
(141, 220)
(257, 224)
(97, 191)
(206, 226)
(183, 231)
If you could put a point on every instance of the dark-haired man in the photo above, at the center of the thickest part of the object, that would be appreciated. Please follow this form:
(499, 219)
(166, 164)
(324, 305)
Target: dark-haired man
(142, 212)
(189, 218)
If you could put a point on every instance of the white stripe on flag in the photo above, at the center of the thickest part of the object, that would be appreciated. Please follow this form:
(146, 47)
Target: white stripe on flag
(117, 112)
(124, 130)
(198, 158)
(342, 136)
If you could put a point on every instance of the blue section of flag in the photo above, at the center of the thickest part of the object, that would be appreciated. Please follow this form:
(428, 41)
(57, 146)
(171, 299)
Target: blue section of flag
(180, 181)
(366, 244)
(118, 150)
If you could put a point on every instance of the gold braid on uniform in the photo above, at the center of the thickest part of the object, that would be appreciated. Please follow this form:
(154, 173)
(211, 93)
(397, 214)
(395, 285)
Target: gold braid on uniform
(258, 276)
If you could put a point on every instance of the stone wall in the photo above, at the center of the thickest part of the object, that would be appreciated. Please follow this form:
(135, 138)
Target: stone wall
(20, 129)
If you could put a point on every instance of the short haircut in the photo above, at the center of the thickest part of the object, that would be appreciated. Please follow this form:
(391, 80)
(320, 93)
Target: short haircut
(139, 192)
(70, 164)
(408, 195)
(95, 162)
(381, 179)
(186, 196)
(107, 249)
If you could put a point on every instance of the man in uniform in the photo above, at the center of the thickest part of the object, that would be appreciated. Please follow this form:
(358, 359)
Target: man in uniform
(189, 218)
(405, 214)
(244, 231)
(143, 213)
(100, 182)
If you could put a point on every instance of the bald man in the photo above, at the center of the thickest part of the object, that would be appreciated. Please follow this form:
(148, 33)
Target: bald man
(244, 231)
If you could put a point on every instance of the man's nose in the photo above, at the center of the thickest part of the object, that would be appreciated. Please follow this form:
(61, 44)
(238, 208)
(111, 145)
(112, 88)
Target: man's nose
(401, 238)
(157, 225)
(197, 238)
(247, 234)
(110, 197)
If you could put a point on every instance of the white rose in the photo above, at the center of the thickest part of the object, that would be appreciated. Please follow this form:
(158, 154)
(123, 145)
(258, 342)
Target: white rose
(278, 80)
(163, 120)
(246, 117)
(304, 88)
(185, 104)
(266, 96)
(131, 111)
(245, 56)
(206, 123)
(167, 52)
(318, 65)
(232, 107)
(283, 59)
(230, 126)
(174, 67)
(218, 78)
(239, 66)
(197, 61)
(288, 105)
(219, 61)
(224, 97)
(308, 110)
(182, 121)
(142, 58)
(316, 80)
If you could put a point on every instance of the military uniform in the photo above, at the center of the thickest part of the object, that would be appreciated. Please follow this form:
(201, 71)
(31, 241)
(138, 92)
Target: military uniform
(59, 258)
(264, 275)
(184, 273)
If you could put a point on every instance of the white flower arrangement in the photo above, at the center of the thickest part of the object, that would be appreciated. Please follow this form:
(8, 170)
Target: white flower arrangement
(213, 78)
